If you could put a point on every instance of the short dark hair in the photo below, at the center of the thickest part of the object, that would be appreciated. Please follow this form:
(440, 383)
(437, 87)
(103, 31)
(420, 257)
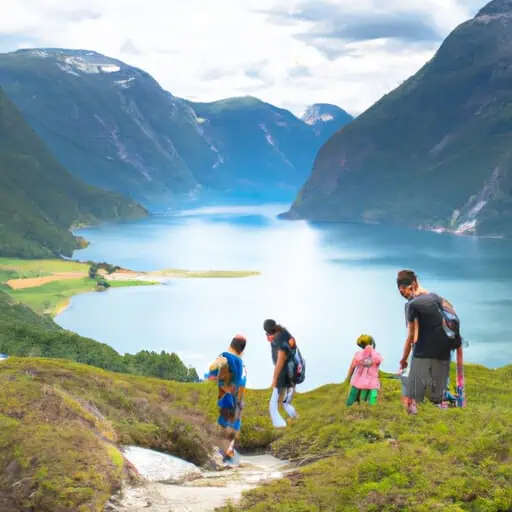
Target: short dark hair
(270, 326)
(238, 343)
(406, 278)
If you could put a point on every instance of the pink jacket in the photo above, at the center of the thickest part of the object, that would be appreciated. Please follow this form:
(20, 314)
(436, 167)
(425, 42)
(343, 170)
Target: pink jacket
(366, 369)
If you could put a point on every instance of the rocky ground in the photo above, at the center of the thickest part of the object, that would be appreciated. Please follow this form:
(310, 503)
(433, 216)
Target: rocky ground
(172, 485)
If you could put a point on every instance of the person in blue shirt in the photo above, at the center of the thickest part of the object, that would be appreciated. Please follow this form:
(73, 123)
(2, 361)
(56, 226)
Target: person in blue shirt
(229, 371)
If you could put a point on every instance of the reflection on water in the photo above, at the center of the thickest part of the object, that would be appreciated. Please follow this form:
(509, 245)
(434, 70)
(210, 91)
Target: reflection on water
(326, 283)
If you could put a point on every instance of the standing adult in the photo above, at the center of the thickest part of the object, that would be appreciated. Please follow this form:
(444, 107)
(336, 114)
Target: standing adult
(431, 351)
(283, 350)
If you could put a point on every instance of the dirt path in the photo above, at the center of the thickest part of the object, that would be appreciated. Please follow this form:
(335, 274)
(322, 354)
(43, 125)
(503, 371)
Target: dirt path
(196, 490)
(31, 282)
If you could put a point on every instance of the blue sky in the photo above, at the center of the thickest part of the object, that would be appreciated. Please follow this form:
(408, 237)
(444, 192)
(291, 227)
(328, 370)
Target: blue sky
(287, 52)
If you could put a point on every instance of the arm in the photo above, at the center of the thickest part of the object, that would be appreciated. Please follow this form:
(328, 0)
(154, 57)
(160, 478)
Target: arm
(281, 360)
(218, 363)
(412, 337)
(351, 369)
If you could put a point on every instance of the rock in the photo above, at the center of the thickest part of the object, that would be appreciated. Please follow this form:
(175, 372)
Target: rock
(159, 467)
(201, 491)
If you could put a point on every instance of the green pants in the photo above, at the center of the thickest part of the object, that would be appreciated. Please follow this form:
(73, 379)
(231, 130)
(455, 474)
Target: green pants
(365, 395)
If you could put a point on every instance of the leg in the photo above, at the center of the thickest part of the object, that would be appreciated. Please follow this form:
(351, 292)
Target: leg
(227, 441)
(287, 403)
(372, 396)
(440, 374)
(277, 419)
(353, 396)
(418, 379)
(364, 395)
(417, 383)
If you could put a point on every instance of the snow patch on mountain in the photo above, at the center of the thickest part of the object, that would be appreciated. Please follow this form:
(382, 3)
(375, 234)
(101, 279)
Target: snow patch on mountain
(273, 143)
(314, 118)
(125, 84)
(67, 69)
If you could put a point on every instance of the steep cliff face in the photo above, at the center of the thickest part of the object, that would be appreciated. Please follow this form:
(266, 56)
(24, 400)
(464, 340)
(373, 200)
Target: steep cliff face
(434, 153)
(108, 122)
(40, 199)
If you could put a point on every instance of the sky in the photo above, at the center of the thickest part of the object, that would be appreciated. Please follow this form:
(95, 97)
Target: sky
(289, 53)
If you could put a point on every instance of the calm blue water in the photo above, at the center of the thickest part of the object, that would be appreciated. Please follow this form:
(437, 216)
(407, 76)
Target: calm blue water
(327, 284)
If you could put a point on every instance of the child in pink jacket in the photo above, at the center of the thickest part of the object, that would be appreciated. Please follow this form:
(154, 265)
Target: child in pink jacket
(364, 372)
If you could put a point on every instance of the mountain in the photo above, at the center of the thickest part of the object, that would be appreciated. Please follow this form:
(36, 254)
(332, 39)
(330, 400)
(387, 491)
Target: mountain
(116, 128)
(435, 153)
(259, 145)
(109, 123)
(325, 119)
(39, 199)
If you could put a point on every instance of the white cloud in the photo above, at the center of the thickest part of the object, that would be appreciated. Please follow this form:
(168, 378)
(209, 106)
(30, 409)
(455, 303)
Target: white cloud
(206, 50)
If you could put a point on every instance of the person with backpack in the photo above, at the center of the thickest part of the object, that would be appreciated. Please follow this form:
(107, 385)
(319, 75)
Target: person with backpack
(289, 370)
(364, 372)
(429, 340)
(229, 371)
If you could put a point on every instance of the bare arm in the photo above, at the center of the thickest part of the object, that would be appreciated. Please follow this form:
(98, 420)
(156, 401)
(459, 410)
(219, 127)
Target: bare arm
(351, 369)
(218, 363)
(281, 360)
(412, 337)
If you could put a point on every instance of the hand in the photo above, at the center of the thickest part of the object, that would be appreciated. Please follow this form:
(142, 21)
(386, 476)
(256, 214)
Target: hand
(403, 364)
(274, 384)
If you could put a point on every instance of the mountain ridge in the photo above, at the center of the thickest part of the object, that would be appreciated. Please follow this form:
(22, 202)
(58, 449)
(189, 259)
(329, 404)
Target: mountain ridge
(496, 7)
(432, 154)
(117, 128)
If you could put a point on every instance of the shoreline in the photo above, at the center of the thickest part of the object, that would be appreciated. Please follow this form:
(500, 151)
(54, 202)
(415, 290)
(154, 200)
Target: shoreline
(162, 275)
(47, 286)
(294, 217)
(61, 308)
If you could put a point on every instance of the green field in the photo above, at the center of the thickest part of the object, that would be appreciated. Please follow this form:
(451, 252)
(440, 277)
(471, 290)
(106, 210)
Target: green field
(52, 297)
(19, 268)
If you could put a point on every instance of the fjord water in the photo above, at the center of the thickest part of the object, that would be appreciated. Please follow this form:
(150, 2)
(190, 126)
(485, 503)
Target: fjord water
(326, 283)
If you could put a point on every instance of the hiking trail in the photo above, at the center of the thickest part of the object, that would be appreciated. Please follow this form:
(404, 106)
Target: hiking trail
(174, 485)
